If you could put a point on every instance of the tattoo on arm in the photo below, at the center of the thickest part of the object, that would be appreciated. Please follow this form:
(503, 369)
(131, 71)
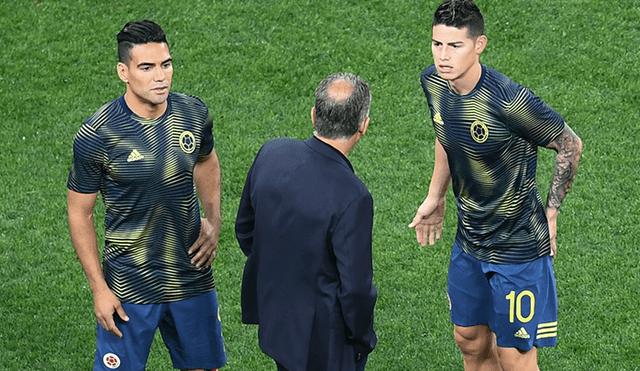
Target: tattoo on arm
(569, 147)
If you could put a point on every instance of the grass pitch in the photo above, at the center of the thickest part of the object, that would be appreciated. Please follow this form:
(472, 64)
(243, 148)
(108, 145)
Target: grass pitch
(256, 64)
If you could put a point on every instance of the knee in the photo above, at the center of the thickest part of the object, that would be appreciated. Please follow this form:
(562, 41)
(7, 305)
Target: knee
(475, 341)
(515, 359)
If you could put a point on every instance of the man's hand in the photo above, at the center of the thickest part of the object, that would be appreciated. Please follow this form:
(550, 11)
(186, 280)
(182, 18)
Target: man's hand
(206, 245)
(428, 221)
(106, 304)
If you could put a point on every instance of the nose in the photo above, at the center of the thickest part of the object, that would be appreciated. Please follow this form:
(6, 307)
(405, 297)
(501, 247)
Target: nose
(444, 55)
(159, 75)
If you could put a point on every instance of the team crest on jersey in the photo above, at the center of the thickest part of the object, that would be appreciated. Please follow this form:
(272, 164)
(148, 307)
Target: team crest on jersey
(479, 131)
(111, 360)
(438, 119)
(187, 142)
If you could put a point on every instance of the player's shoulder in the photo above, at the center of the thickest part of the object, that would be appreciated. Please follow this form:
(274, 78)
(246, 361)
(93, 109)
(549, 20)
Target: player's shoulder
(431, 81)
(429, 73)
(502, 84)
(104, 114)
(186, 99)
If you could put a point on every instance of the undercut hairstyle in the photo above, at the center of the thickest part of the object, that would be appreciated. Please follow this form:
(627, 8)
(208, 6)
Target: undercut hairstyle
(138, 33)
(460, 14)
(340, 117)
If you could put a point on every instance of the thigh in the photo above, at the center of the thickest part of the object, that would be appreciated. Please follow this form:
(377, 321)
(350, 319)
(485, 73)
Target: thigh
(192, 332)
(468, 289)
(525, 303)
(130, 352)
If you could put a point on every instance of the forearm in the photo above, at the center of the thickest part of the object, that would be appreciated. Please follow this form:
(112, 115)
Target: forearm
(83, 237)
(207, 177)
(441, 175)
(569, 147)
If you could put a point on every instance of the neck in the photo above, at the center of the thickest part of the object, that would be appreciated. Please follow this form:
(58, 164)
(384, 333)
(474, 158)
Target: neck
(467, 82)
(343, 145)
(144, 109)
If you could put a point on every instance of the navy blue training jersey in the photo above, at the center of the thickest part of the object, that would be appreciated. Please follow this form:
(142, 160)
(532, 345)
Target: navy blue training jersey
(144, 170)
(491, 136)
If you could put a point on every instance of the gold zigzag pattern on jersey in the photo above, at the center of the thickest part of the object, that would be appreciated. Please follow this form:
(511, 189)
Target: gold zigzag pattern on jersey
(522, 334)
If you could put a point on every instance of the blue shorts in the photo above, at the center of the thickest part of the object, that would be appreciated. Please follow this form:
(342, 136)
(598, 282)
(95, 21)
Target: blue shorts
(517, 301)
(191, 330)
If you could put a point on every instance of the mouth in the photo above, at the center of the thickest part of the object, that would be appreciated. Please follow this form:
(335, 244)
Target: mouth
(445, 69)
(162, 89)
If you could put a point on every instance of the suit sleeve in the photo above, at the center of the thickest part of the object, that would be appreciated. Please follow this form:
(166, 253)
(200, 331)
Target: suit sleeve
(245, 220)
(357, 295)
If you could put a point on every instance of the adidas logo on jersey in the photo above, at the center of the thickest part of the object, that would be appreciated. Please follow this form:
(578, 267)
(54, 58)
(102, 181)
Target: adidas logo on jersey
(135, 156)
(438, 119)
(522, 334)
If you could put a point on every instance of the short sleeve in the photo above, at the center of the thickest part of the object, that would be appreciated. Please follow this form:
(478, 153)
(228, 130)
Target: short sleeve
(531, 118)
(206, 144)
(85, 175)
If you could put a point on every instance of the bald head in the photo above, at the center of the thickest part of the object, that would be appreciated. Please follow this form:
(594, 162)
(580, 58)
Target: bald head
(339, 90)
(342, 104)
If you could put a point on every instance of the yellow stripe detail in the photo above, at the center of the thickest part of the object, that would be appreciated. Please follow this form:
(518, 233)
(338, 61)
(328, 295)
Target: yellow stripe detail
(549, 335)
(549, 324)
(545, 330)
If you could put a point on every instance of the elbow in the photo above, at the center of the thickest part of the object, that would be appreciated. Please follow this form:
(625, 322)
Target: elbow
(579, 143)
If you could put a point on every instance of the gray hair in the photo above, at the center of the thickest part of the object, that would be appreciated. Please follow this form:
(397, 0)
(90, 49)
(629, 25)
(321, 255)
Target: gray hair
(338, 117)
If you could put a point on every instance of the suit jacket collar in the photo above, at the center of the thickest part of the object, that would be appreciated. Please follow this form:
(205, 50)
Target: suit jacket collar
(328, 151)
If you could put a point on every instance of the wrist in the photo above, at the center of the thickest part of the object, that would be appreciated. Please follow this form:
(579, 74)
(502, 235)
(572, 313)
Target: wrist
(552, 213)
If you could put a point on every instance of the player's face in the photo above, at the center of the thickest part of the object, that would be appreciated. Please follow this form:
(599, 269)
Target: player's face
(455, 54)
(147, 75)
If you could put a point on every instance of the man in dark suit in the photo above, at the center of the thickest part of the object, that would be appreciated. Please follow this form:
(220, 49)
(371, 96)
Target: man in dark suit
(305, 223)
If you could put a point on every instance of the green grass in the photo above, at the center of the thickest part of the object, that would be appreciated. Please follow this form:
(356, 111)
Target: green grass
(256, 64)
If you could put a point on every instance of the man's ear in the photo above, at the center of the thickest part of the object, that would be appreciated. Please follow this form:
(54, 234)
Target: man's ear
(363, 126)
(313, 115)
(481, 43)
(123, 72)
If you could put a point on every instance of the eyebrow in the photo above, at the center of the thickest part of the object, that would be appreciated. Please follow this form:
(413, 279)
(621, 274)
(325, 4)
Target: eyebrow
(449, 43)
(144, 64)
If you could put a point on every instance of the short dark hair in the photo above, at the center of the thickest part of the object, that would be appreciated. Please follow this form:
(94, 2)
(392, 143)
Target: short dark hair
(460, 14)
(136, 33)
(341, 118)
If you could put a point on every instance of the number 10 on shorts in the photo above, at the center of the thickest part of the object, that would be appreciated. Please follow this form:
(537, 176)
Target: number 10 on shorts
(515, 306)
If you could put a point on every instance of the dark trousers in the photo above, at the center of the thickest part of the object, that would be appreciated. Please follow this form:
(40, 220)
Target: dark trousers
(359, 365)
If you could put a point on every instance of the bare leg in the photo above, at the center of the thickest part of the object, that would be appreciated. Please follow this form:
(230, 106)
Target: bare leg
(478, 347)
(513, 359)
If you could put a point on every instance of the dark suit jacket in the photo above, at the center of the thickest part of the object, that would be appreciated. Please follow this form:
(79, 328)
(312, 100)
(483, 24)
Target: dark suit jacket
(305, 223)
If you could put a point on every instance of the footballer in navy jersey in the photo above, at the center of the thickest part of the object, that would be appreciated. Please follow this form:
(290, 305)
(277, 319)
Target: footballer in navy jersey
(144, 170)
(150, 154)
(501, 285)
(491, 136)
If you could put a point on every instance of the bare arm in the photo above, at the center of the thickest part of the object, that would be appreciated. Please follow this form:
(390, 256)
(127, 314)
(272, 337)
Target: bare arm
(569, 148)
(206, 175)
(83, 235)
(428, 219)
